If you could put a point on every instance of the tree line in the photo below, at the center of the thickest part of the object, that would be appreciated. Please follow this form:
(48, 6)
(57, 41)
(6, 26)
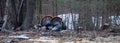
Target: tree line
(26, 13)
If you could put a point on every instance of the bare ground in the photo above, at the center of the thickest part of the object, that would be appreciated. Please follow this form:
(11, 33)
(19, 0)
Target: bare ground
(67, 36)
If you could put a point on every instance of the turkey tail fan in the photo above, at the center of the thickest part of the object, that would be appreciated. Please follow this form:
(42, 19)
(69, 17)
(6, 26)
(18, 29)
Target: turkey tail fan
(57, 19)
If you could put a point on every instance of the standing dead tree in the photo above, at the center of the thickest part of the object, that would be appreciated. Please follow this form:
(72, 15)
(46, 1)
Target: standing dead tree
(5, 23)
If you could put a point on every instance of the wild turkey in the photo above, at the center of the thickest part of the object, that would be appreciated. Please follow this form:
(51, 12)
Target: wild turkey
(57, 24)
(46, 21)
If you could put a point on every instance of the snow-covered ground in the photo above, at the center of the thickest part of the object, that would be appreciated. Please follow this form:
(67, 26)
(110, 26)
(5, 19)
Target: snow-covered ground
(114, 20)
(70, 20)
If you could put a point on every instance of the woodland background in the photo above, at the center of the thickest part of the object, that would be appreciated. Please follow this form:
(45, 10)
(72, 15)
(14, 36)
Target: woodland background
(92, 13)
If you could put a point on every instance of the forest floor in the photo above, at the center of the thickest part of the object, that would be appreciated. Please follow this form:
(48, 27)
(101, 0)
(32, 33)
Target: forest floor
(67, 36)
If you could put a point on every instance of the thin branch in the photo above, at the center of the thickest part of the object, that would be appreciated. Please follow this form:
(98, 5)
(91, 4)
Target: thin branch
(21, 4)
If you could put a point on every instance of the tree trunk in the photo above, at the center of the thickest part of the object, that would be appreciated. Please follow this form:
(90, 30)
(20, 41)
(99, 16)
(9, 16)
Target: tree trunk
(27, 23)
(38, 12)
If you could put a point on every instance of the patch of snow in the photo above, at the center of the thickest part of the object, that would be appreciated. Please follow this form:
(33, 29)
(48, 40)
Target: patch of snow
(20, 36)
(115, 20)
(95, 21)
